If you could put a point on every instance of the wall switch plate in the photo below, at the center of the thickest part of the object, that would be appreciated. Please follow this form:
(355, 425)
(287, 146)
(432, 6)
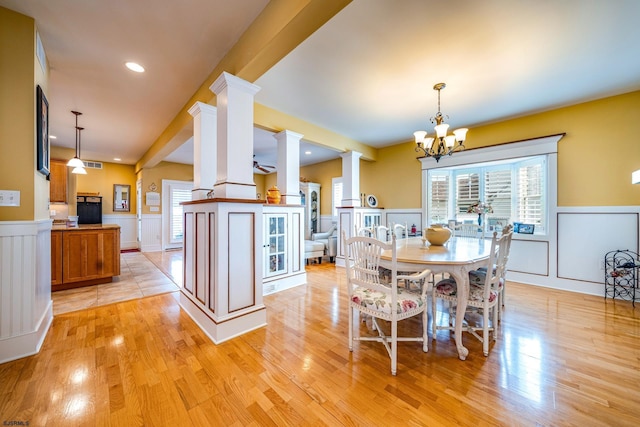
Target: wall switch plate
(9, 198)
(154, 209)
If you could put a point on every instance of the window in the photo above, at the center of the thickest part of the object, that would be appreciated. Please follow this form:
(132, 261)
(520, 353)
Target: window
(336, 195)
(177, 196)
(515, 189)
(173, 193)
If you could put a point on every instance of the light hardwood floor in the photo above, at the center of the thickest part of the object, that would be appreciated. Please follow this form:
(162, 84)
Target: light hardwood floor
(562, 359)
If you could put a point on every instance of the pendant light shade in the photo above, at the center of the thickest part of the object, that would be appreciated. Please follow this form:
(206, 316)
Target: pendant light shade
(76, 163)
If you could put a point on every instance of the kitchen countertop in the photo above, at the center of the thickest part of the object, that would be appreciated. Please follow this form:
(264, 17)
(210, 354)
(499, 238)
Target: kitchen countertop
(82, 227)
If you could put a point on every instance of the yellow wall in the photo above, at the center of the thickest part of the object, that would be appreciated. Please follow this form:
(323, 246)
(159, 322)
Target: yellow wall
(98, 181)
(155, 175)
(18, 80)
(595, 158)
(593, 169)
(102, 181)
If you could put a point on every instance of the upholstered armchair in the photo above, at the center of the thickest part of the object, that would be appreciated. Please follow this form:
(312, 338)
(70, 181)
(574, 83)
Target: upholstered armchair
(329, 241)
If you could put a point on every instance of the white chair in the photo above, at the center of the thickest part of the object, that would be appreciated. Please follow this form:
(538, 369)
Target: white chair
(365, 231)
(468, 230)
(484, 289)
(400, 231)
(371, 295)
(382, 233)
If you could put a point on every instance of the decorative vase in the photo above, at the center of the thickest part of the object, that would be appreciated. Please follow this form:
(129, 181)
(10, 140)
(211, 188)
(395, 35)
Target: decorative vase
(273, 195)
(437, 235)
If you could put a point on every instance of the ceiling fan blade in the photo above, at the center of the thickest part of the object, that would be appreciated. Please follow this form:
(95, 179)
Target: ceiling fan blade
(263, 169)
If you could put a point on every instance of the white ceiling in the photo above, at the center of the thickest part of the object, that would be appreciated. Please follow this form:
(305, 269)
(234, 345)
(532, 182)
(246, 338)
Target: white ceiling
(367, 74)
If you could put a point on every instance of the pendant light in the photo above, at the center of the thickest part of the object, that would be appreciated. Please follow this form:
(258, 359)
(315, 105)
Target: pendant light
(76, 162)
(79, 169)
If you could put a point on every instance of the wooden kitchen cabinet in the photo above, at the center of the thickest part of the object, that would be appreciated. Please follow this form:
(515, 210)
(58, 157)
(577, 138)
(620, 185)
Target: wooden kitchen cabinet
(89, 256)
(58, 181)
(56, 258)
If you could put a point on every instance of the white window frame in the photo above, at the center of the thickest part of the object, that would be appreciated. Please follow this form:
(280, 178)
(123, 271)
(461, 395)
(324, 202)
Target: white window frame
(167, 187)
(547, 145)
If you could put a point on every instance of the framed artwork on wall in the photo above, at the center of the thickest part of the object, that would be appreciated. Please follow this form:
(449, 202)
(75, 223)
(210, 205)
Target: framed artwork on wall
(42, 129)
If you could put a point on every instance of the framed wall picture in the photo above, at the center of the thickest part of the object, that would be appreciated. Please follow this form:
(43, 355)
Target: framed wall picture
(42, 129)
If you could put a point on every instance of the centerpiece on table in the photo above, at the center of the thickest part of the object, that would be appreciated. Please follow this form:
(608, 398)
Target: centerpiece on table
(480, 208)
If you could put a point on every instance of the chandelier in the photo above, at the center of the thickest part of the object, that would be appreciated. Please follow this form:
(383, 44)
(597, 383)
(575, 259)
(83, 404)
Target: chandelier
(442, 144)
(76, 163)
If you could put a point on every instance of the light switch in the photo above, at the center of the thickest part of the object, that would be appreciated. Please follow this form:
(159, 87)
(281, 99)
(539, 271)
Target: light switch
(9, 198)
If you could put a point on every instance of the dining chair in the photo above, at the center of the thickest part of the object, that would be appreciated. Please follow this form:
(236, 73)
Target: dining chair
(484, 290)
(380, 297)
(382, 233)
(400, 231)
(507, 233)
(365, 231)
(468, 230)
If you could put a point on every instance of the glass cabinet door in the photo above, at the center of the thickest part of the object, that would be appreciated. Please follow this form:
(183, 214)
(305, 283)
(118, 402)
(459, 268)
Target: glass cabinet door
(276, 249)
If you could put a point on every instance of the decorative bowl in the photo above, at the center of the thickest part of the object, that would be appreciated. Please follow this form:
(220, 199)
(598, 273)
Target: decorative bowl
(437, 235)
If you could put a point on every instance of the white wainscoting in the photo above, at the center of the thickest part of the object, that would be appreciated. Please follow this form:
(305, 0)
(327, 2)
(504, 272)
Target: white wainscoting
(584, 238)
(25, 287)
(403, 216)
(128, 232)
(574, 254)
(151, 233)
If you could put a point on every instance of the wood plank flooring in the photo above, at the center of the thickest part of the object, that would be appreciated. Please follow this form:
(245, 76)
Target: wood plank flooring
(562, 359)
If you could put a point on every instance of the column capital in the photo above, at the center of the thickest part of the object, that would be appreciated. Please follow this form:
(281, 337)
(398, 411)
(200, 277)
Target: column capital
(229, 80)
(351, 154)
(287, 134)
(201, 107)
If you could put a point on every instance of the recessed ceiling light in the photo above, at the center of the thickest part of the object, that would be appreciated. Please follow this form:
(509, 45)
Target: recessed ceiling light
(53, 137)
(135, 67)
(117, 159)
(307, 152)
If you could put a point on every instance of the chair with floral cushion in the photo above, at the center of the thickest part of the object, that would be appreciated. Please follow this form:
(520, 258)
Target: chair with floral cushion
(484, 289)
(380, 298)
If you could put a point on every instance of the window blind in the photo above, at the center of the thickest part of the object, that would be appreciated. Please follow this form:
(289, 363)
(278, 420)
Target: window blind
(176, 196)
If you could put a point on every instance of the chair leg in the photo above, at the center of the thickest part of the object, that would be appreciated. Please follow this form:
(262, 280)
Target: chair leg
(351, 313)
(485, 331)
(394, 347)
(434, 325)
(496, 313)
(425, 329)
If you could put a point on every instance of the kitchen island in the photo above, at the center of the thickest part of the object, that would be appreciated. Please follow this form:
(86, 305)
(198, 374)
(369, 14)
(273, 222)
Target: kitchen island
(88, 254)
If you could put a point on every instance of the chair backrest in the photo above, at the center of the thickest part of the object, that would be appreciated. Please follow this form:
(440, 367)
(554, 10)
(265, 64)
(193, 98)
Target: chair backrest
(497, 263)
(365, 231)
(382, 233)
(400, 231)
(467, 230)
(362, 264)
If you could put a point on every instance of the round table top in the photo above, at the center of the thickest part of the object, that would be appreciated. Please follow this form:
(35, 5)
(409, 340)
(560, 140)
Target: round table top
(458, 250)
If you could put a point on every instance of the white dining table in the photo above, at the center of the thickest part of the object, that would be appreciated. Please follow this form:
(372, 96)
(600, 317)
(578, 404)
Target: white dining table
(458, 257)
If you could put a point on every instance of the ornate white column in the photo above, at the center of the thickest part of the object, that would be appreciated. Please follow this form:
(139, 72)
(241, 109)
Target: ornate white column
(288, 170)
(351, 178)
(204, 149)
(235, 137)
(223, 236)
